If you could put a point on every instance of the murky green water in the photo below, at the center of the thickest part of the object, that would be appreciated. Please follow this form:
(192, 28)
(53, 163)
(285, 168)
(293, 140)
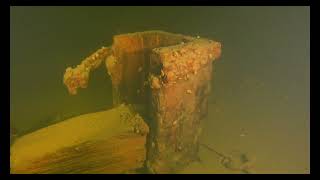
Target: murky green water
(260, 99)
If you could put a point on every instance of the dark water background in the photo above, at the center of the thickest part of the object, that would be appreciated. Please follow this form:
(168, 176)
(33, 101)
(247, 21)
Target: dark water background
(260, 98)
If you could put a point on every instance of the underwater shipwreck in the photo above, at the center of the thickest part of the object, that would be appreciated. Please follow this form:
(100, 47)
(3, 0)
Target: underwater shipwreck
(161, 84)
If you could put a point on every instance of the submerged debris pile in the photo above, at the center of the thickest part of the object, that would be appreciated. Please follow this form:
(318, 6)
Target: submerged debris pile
(166, 77)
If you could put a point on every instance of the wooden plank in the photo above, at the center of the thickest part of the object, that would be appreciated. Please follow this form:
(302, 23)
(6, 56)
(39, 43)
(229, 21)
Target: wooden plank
(110, 141)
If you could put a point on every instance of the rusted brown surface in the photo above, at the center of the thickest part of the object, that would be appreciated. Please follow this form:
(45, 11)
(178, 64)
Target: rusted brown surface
(78, 77)
(180, 102)
(129, 63)
(169, 76)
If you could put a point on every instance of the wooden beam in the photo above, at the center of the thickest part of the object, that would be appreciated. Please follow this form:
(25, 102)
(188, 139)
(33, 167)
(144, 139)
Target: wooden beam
(110, 141)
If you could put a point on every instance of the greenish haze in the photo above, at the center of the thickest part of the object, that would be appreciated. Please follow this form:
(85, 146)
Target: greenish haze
(260, 101)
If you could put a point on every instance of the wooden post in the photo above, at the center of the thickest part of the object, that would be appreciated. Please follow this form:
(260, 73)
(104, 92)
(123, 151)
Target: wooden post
(167, 77)
(180, 79)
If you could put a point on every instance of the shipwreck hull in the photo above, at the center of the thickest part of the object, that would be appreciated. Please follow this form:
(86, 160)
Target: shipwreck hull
(161, 83)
